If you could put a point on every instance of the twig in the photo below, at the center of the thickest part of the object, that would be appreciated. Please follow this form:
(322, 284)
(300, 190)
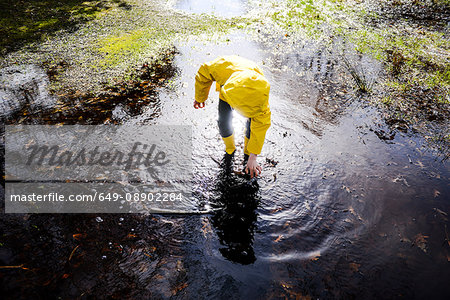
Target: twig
(446, 235)
(73, 251)
(14, 267)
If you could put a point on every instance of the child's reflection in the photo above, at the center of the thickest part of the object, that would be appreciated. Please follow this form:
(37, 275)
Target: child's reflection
(235, 221)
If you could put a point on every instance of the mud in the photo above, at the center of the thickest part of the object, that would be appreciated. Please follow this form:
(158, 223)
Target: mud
(113, 105)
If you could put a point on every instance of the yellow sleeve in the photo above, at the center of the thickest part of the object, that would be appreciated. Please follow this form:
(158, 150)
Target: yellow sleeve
(258, 129)
(203, 81)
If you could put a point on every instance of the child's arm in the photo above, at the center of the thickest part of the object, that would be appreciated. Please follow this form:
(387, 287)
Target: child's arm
(258, 128)
(203, 81)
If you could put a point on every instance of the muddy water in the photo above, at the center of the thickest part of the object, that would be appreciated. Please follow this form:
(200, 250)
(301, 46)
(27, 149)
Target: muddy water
(338, 213)
(24, 86)
(219, 8)
(344, 207)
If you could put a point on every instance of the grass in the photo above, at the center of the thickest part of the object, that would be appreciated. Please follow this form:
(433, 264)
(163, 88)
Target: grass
(114, 39)
(24, 21)
(408, 52)
(414, 83)
(100, 42)
(362, 84)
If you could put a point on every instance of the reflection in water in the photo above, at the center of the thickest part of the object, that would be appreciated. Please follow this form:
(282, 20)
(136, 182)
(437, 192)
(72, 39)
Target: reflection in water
(235, 220)
(321, 219)
(26, 98)
(338, 214)
(24, 87)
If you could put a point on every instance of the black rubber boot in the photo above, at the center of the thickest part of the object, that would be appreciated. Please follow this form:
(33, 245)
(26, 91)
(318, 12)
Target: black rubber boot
(227, 161)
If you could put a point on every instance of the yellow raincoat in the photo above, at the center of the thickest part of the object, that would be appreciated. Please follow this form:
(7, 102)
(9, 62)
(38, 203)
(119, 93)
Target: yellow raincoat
(243, 86)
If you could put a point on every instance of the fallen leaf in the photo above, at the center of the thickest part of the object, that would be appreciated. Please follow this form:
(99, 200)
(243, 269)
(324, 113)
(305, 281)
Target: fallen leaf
(276, 210)
(346, 188)
(206, 228)
(279, 238)
(315, 255)
(179, 288)
(354, 267)
(420, 241)
(307, 206)
(79, 236)
(420, 164)
(405, 240)
(400, 178)
(443, 214)
(352, 211)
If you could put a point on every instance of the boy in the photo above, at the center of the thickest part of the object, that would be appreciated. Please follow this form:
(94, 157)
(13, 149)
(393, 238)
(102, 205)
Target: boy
(242, 87)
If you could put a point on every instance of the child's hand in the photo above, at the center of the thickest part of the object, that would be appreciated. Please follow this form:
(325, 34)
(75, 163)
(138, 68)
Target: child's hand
(252, 166)
(198, 105)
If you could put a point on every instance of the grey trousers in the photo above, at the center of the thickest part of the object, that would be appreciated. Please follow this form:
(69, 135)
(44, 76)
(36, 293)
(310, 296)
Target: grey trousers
(225, 120)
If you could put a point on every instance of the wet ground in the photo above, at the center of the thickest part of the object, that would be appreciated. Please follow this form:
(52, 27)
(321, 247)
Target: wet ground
(345, 207)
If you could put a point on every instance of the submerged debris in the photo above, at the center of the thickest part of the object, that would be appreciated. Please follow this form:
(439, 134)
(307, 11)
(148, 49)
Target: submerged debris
(130, 96)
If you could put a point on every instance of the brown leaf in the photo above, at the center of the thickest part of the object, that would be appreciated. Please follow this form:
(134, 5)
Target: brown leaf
(276, 210)
(179, 288)
(279, 238)
(354, 267)
(315, 255)
(346, 188)
(420, 241)
(79, 236)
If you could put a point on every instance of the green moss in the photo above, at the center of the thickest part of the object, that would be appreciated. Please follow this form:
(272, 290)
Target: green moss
(387, 101)
(115, 48)
(113, 41)
(303, 16)
(415, 58)
(46, 23)
(419, 63)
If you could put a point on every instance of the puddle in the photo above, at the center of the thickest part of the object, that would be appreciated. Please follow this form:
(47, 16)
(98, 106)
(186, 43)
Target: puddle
(338, 212)
(24, 87)
(225, 9)
(27, 100)
(335, 203)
